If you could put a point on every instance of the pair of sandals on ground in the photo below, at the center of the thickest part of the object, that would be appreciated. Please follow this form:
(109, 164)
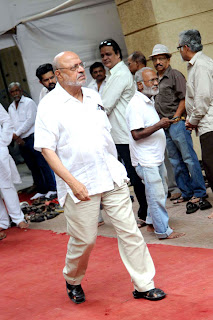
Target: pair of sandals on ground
(192, 205)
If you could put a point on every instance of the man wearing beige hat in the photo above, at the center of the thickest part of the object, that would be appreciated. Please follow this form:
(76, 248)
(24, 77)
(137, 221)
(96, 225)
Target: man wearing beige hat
(170, 103)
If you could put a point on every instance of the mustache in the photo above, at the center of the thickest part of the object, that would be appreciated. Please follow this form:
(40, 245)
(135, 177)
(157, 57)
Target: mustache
(158, 65)
(80, 75)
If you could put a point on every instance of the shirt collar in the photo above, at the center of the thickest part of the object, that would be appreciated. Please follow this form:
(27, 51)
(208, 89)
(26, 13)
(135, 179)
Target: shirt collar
(65, 96)
(166, 73)
(20, 101)
(105, 80)
(116, 67)
(145, 98)
(195, 57)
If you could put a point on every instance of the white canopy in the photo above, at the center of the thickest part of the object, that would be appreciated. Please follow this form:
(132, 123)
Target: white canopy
(47, 27)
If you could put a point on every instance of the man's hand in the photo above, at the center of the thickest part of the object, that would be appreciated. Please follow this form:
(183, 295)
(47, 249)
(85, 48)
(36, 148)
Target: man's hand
(165, 122)
(18, 140)
(15, 137)
(80, 191)
(190, 126)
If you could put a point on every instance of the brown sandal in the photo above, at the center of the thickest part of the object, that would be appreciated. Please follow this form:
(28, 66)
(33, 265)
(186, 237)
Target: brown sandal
(2, 235)
(180, 200)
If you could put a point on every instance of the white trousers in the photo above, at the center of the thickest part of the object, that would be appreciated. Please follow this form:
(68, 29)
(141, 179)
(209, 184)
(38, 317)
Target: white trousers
(133, 250)
(12, 204)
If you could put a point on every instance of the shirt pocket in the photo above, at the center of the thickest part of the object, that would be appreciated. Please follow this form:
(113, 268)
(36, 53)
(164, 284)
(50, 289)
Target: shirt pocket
(189, 90)
(22, 116)
(167, 96)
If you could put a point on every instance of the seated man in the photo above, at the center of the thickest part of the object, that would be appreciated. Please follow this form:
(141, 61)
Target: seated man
(147, 148)
(8, 176)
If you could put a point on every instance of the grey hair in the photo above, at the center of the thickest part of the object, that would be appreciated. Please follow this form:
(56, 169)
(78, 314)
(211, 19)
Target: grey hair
(138, 74)
(13, 84)
(192, 39)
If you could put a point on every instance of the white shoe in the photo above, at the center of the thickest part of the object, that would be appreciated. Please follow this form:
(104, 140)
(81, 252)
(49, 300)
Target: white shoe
(50, 193)
(37, 195)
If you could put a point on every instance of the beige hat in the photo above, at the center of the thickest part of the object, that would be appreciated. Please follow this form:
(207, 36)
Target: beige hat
(160, 49)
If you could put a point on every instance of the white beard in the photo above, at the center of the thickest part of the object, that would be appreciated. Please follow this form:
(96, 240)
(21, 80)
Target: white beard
(149, 91)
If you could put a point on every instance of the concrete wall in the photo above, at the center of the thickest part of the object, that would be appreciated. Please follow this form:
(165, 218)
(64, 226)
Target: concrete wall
(148, 22)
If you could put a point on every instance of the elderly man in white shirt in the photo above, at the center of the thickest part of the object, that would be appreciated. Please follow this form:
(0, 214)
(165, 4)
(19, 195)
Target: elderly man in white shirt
(73, 133)
(147, 148)
(8, 176)
(116, 95)
(22, 112)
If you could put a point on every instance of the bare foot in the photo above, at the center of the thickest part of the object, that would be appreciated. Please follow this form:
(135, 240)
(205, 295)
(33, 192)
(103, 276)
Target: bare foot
(23, 225)
(2, 235)
(141, 223)
(211, 216)
(174, 235)
(194, 199)
(150, 228)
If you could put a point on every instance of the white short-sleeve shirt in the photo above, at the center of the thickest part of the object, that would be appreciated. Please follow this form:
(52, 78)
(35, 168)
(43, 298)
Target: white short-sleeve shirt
(79, 133)
(140, 114)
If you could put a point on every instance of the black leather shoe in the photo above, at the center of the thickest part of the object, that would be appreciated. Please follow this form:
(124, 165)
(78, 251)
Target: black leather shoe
(75, 293)
(153, 294)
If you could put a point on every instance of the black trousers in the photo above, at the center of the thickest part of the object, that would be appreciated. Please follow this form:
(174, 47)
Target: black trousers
(206, 141)
(43, 175)
(139, 188)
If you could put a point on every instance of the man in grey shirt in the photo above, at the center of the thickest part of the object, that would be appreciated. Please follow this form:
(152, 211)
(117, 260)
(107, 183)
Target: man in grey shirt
(199, 98)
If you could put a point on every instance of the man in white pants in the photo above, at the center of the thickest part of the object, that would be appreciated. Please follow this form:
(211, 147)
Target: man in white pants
(73, 133)
(8, 176)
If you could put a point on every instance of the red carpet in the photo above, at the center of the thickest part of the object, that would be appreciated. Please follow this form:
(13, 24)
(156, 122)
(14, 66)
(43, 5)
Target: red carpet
(33, 288)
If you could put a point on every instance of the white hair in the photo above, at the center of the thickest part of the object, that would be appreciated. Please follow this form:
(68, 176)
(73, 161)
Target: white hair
(13, 84)
(139, 74)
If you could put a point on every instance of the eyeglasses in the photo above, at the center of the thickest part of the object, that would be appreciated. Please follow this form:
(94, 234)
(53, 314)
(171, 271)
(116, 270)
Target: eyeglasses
(75, 67)
(152, 80)
(179, 47)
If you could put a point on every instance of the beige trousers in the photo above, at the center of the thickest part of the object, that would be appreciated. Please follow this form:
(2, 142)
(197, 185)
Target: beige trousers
(82, 225)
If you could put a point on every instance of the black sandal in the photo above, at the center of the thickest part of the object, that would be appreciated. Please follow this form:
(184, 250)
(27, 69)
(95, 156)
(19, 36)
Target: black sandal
(37, 218)
(153, 294)
(204, 204)
(191, 207)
